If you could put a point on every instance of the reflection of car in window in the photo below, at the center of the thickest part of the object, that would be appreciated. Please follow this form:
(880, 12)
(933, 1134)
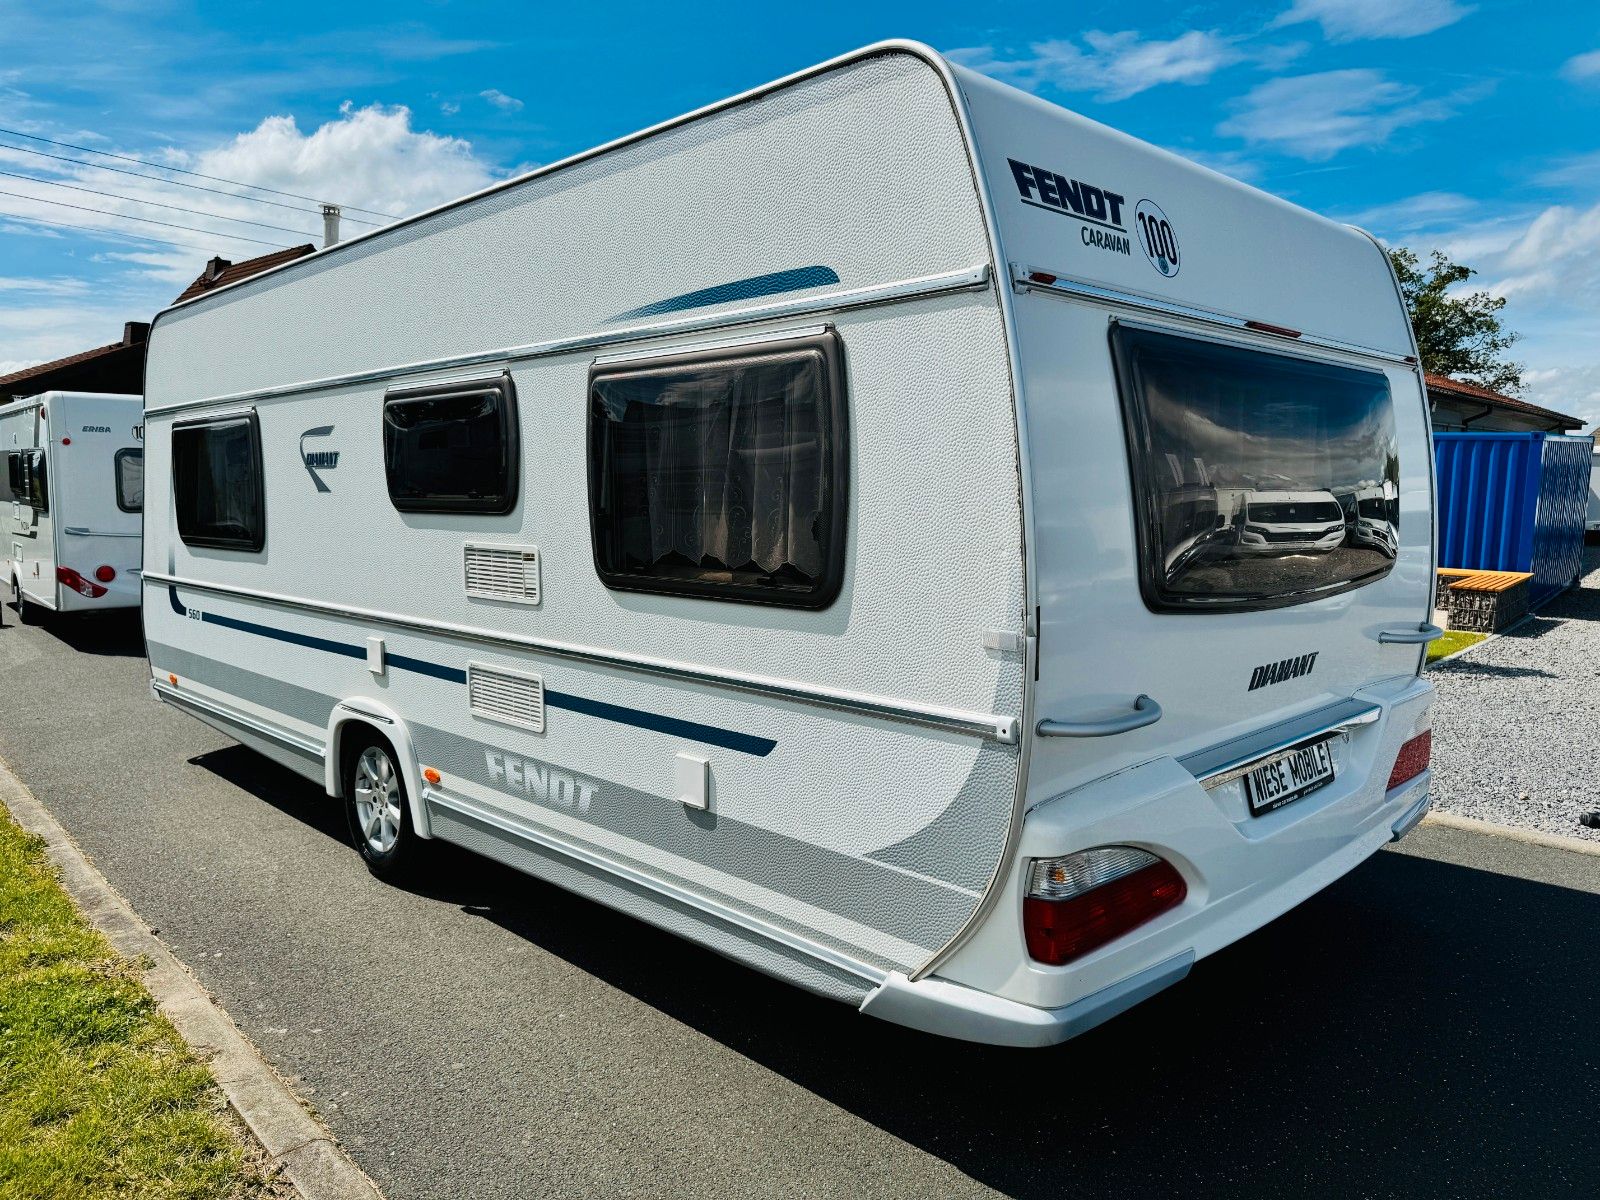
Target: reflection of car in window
(1375, 521)
(1292, 523)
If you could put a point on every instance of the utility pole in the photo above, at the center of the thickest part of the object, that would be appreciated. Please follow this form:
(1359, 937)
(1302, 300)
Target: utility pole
(330, 225)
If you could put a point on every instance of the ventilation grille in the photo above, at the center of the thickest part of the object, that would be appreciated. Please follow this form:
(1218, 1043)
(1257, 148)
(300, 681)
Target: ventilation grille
(510, 697)
(503, 572)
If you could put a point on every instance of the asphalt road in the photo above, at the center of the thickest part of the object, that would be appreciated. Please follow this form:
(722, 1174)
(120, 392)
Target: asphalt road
(1429, 1026)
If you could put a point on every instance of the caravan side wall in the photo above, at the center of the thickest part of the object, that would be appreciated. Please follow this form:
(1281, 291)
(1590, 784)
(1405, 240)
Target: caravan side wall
(862, 759)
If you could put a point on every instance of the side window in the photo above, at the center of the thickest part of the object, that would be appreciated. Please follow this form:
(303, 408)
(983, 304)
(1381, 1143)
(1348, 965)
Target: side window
(217, 484)
(11, 477)
(35, 486)
(452, 447)
(129, 468)
(723, 474)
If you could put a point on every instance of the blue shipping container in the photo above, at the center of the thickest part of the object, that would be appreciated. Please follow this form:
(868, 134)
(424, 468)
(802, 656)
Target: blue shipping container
(1514, 502)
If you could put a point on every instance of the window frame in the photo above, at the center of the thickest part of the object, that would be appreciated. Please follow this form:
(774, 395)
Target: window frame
(35, 474)
(116, 476)
(829, 350)
(510, 435)
(255, 544)
(1146, 509)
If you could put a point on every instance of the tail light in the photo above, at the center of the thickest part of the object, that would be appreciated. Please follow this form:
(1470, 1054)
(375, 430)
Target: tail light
(1080, 902)
(84, 587)
(1413, 759)
(105, 574)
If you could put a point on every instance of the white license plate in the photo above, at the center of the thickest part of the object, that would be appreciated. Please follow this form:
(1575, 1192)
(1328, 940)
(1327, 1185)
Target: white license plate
(1288, 776)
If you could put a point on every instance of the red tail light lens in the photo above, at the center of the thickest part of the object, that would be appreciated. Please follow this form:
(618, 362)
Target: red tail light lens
(1413, 759)
(105, 574)
(84, 587)
(1078, 903)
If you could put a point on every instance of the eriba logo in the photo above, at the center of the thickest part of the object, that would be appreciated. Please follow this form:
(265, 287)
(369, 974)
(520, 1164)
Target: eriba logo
(540, 781)
(1277, 672)
(97, 429)
(318, 460)
(1099, 208)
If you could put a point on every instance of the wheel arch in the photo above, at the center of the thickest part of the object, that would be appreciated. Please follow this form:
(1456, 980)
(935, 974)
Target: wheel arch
(366, 716)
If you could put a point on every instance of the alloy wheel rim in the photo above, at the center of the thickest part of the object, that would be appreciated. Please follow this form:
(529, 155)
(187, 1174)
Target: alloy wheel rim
(377, 788)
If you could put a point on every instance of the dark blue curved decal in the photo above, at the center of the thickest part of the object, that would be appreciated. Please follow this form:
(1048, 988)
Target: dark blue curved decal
(711, 735)
(793, 280)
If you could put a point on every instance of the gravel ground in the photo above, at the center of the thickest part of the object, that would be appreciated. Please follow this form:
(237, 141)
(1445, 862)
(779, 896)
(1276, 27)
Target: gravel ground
(1516, 739)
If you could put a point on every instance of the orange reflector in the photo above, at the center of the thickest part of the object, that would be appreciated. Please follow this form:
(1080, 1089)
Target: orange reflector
(173, 680)
(431, 775)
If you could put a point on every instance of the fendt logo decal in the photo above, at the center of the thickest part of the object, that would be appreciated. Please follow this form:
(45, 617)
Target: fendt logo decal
(1290, 668)
(540, 781)
(318, 460)
(1098, 208)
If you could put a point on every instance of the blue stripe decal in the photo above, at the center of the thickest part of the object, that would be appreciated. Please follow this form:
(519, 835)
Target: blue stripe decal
(712, 735)
(745, 743)
(793, 280)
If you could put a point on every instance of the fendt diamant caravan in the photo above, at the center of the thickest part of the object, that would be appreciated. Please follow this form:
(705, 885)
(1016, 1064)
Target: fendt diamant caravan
(71, 492)
(823, 526)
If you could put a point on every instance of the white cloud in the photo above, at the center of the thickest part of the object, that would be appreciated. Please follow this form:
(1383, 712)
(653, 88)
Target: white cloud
(1582, 68)
(1353, 20)
(501, 101)
(1573, 390)
(1316, 116)
(1114, 67)
(1422, 211)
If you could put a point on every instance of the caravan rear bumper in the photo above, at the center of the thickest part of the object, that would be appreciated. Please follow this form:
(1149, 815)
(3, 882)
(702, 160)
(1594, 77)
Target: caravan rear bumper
(1242, 872)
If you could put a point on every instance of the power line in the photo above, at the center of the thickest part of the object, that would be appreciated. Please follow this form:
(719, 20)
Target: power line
(106, 212)
(33, 137)
(172, 182)
(102, 232)
(195, 212)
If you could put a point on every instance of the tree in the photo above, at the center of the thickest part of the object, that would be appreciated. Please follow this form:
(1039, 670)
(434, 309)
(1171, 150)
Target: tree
(1458, 335)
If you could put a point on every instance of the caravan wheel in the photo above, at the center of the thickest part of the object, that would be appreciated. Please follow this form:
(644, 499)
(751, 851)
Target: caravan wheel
(380, 817)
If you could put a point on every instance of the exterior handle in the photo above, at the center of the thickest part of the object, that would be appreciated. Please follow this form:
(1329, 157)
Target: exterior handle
(1145, 712)
(1411, 637)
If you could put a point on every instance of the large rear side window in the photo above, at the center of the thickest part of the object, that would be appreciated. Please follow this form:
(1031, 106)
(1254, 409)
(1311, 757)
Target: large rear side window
(1261, 480)
(217, 485)
(722, 474)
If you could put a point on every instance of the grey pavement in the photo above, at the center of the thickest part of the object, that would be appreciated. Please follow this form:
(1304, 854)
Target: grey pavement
(1426, 1027)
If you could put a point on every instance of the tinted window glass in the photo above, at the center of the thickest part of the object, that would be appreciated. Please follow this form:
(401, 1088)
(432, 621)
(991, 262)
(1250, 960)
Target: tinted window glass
(11, 477)
(452, 448)
(1261, 479)
(216, 484)
(35, 489)
(129, 467)
(722, 475)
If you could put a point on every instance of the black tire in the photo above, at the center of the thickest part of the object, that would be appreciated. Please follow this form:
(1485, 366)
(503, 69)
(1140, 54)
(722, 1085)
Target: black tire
(384, 838)
(28, 613)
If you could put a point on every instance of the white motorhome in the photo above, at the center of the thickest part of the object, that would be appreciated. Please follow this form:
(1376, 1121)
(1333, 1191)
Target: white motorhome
(765, 525)
(1292, 523)
(71, 494)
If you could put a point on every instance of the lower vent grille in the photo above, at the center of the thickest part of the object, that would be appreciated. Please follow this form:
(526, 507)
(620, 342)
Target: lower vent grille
(510, 697)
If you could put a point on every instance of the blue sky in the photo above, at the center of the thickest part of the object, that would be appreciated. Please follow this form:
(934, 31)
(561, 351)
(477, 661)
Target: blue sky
(1467, 126)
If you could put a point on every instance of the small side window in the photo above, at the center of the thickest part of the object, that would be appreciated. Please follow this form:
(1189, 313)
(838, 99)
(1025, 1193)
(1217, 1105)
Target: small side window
(450, 448)
(129, 467)
(11, 477)
(217, 483)
(722, 474)
(35, 486)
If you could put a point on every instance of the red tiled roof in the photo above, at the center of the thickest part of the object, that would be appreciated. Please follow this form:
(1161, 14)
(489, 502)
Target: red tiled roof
(1443, 383)
(233, 272)
(71, 360)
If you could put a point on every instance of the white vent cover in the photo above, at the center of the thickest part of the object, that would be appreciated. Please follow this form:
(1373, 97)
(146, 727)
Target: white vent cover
(503, 572)
(510, 697)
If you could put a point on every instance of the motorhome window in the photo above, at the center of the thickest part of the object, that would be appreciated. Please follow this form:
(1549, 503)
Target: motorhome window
(1261, 479)
(35, 489)
(11, 480)
(452, 448)
(129, 466)
(722, 474)
(217, 484)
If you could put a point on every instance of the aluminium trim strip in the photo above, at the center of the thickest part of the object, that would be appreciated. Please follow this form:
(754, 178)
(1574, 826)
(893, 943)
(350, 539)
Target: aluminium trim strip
(966, 279)
(1213, 774)
(293, 741)
(1021, 280)
(991, 726)
(721, 912)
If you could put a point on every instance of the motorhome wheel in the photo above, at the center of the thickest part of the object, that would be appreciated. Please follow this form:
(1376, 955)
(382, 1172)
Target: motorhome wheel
(380, 819)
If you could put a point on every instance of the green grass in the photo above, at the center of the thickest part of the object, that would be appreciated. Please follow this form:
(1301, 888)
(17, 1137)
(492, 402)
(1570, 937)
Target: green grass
(99, 1097)
(1452, 641)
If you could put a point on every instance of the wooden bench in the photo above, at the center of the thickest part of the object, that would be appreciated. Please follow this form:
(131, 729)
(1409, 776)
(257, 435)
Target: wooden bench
(1484, 601)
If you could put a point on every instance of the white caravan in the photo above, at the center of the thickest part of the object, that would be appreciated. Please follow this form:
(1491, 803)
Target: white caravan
(71, 494)
(764, 525)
